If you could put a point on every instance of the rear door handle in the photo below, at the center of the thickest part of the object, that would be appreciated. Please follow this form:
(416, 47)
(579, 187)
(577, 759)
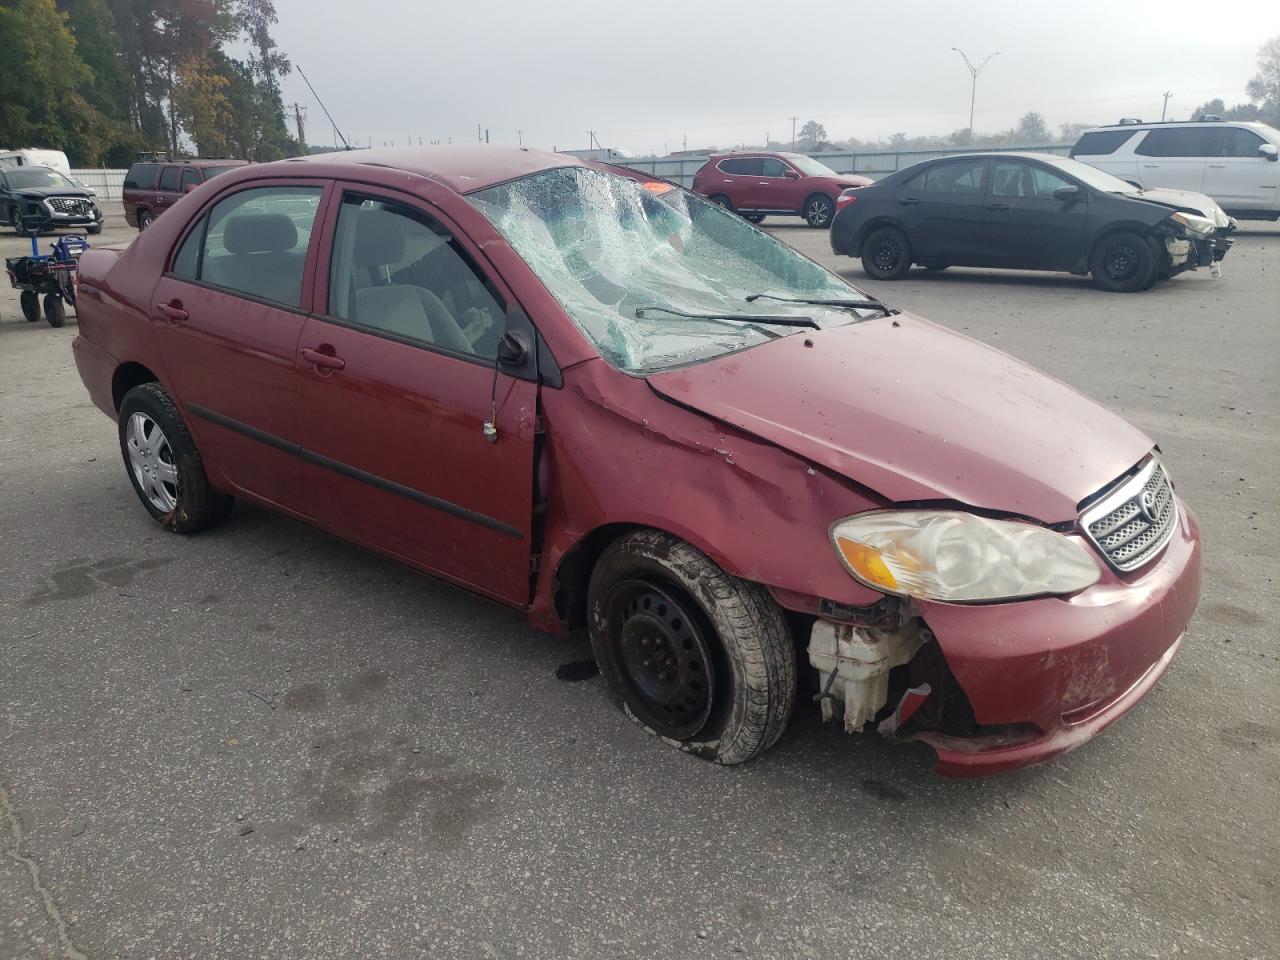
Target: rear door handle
(908, 201)
(172, 312)
(998, 206)
(1217, 166)
(325, 361)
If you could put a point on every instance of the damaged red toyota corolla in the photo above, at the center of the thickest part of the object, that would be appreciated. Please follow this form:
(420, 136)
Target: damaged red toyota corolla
(605, 401)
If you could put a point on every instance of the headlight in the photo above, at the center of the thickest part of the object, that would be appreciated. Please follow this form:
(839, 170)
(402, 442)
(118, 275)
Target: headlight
(950, 555)
(1196, 226)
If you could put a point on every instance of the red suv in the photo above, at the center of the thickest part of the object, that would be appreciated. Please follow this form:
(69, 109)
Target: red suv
(790, 184)
(152, 186)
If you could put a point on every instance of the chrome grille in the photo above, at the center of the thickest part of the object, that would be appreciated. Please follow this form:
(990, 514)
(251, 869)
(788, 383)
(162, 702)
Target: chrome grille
(1131, 523)
(69, 205)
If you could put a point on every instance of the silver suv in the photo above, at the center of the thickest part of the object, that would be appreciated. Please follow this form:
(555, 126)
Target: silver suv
(1233, 161)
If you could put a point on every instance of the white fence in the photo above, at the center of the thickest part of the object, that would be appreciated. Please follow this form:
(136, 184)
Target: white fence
(107, 184)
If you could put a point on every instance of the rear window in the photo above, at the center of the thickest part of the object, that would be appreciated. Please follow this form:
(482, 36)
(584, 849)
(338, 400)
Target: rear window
(141, 176)
(1099, 143)
(1172, 142)
(169, 178)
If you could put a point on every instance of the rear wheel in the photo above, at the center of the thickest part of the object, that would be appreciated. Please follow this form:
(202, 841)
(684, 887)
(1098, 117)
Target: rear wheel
(93, 228)
(55, 311)
(818, 211)
(886, 254)
(720, 200)
(699, 658)
(144, 219)
(163, 464)
(1123, 263)
(30, 301)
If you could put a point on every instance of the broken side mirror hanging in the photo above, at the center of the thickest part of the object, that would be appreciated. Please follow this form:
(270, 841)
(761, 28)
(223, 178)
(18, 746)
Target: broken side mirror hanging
(511, 352)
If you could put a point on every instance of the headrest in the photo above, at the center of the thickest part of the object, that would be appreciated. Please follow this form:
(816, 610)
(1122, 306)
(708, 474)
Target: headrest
(259, 233)
(379, 238)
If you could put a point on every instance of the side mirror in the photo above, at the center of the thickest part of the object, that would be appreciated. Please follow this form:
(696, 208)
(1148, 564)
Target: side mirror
(1067, 194)
(1269, 151)
(792, 175)
(512, 349)
(189, 187)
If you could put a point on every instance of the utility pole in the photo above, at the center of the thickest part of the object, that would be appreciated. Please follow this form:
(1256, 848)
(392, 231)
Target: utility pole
(1165, 108)
(486, 134)
(520, 138)
(298, 112)
(793, 133)
(973, 93)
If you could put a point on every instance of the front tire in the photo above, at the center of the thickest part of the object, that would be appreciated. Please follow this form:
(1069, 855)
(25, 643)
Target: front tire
(55, 311)
(818, 211)
(886, 254)
(163, 464)
(30, 301)
(753, 217)
(1123, 263)
(720, 200)
(698, 658)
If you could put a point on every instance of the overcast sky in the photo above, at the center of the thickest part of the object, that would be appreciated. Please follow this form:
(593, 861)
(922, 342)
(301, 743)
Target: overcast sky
(644, 75)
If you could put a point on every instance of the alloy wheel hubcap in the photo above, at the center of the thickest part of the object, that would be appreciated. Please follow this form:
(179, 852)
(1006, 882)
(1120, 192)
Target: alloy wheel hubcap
(663, 656)
(151, 459)
(818, 212)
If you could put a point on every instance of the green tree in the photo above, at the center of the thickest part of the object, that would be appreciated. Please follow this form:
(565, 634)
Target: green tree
(1264, 87)
(1033, 129)
(813, 134)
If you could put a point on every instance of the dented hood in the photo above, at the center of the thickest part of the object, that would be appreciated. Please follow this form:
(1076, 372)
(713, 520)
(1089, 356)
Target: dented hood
(918, 412)
(1186, 200)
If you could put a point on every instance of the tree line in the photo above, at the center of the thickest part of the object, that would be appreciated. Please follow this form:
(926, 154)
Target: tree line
(105, 80)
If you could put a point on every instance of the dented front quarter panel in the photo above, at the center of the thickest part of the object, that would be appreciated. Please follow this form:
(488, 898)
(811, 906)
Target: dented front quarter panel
(618, 453)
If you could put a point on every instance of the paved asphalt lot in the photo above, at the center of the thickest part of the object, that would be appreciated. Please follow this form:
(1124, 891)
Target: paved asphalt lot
(260, 742)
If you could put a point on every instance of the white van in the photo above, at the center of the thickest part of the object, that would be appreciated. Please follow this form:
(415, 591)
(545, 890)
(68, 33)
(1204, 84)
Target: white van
(32, 157)
(1233, 161)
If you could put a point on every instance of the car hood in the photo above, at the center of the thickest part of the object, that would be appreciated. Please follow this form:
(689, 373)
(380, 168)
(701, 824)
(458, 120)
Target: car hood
(47, 192)
(1187, 200)
(916, 412)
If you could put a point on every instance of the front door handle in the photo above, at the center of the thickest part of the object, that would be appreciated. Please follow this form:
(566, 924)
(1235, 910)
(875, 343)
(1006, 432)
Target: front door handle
(172, 312)
(908, 201)
(1217, 166)
(325, 361)
(998, 206)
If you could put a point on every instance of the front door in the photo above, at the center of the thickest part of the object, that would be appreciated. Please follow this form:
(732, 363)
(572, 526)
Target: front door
(1237, 175)
(397, 371)
(227, 315)
(1025, 225)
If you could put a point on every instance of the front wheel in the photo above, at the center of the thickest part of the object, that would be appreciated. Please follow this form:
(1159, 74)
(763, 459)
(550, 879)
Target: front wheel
(163, 464)
(818, 211)
(93, 229)
(753, 217)
(886, 254)
(1123, 263)
(698, 657)
(55, 311)
(30, 301)
(720, 200)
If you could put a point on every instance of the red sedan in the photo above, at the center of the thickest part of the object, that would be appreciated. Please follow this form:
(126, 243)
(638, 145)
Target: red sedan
(606, 401)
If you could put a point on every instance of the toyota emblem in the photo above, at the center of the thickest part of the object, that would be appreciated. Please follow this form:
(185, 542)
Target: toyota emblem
(1147, 502)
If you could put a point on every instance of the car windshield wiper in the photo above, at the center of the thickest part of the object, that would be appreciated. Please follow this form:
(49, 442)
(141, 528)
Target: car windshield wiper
(737, 317)
(887, 310)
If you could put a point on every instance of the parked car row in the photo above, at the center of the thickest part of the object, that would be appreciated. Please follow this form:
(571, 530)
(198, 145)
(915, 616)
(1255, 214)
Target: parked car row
(607, 402)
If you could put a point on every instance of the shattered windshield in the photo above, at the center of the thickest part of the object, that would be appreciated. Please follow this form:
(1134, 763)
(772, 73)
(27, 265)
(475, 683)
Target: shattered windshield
(607, 247)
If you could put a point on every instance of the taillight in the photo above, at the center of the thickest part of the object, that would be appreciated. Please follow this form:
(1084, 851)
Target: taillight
(847, 196)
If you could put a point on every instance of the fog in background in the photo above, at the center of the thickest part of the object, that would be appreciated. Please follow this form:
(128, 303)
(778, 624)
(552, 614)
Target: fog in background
(645, 76)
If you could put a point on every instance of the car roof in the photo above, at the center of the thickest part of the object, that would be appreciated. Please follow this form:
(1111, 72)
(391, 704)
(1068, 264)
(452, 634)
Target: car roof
(1141, 125)
(755, 153)
(196, 162)
(462, 168)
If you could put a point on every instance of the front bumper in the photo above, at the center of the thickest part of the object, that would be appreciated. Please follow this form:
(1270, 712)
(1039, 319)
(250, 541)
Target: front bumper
(1055, 672)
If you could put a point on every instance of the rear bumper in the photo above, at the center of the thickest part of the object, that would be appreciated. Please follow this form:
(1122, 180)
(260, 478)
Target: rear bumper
(97, 367)
(1058, 671)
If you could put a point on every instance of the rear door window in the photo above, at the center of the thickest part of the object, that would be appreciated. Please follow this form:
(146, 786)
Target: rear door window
(169, 179)
(773, 167)
(1100, 143)
(254, 242)
(743, 166)
(954, 177)
(141, 176)
(1176, 142)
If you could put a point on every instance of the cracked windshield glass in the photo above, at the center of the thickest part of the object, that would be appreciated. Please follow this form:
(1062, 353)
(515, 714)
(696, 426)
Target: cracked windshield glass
(607, 247)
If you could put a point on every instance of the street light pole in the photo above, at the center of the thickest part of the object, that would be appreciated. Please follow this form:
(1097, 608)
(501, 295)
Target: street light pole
(973, 93)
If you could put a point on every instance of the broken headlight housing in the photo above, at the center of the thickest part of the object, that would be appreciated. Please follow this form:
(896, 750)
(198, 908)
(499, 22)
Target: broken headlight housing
(1196, 226)
(960, 557)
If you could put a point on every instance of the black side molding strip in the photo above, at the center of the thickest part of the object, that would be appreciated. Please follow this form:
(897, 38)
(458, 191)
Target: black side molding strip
(346, 470)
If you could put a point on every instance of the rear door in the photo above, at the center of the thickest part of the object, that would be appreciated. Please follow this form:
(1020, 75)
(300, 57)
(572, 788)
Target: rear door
(736, 179)
(397, 372)
(227, 315)
(167, 189)
(1025, 226)
(1237, 176)
(942, 210)
(1173, 157)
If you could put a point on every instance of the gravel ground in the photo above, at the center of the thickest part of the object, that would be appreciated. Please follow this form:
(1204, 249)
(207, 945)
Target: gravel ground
(261, 742)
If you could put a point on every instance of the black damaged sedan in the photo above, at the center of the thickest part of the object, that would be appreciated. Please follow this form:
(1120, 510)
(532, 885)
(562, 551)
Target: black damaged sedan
(1028, 211)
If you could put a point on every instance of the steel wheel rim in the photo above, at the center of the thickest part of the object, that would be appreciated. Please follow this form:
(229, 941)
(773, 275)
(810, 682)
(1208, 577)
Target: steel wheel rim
(663, 658)
(818, 212)
(887, 253)
(1122, 262)
(151, 460)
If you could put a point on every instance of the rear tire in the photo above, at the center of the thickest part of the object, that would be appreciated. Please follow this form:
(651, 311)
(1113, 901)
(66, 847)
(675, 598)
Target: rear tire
(1122, 262)
(30, 301)
(699, 658)
(163, 464)
(886, 254)
(144, 219)
(720, 200)
(93, 229)
(818, 211)
(55, 311)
